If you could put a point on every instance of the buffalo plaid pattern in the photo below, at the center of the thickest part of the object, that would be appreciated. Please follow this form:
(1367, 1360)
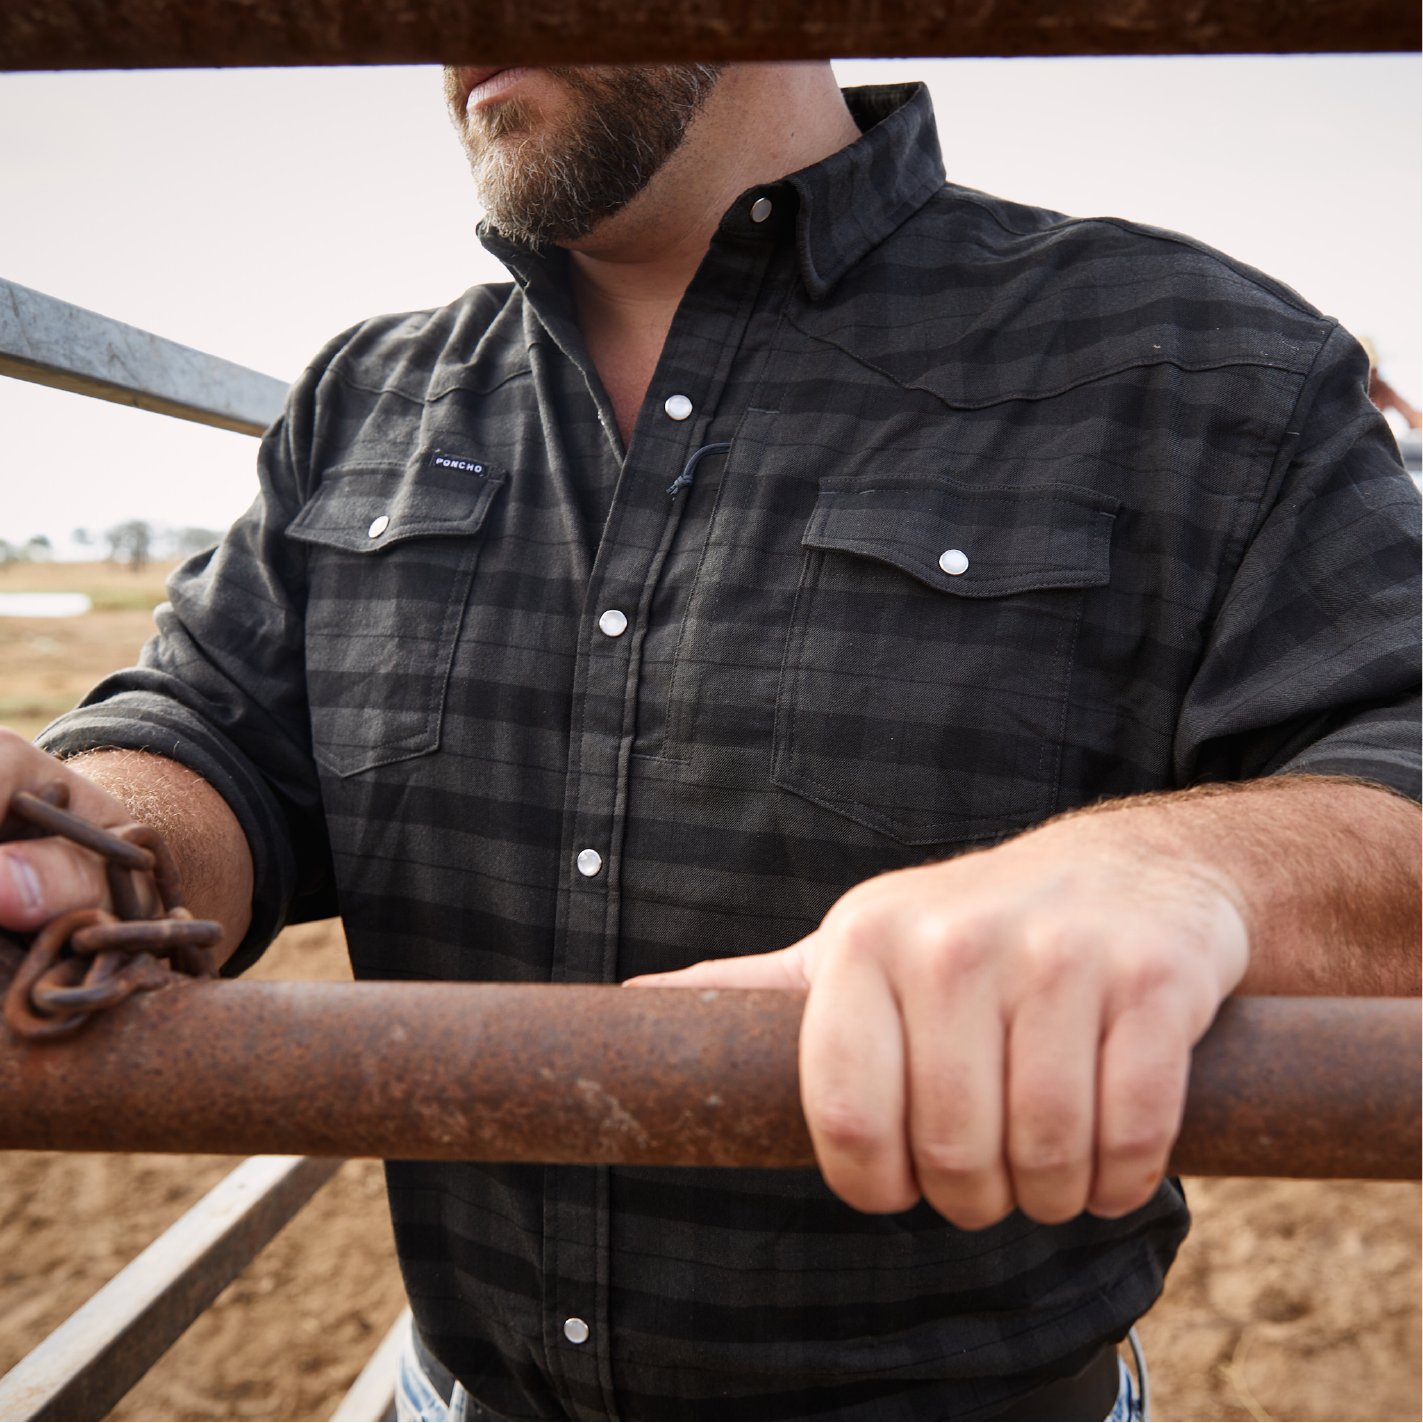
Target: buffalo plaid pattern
(1003, 512)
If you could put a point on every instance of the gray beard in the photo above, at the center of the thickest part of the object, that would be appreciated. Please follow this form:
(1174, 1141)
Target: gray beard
(559, 186)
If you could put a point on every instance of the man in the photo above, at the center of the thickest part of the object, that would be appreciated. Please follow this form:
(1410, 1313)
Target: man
(781, 561)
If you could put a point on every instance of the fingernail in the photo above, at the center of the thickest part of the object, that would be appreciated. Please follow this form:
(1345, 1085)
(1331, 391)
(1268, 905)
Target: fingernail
(27, 884)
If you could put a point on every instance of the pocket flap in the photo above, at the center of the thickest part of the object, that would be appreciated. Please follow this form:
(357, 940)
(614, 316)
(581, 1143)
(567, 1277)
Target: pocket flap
(977, 543)
(364, 510)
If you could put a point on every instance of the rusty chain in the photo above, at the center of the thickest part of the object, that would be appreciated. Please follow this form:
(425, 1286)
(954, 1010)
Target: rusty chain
(90, 959)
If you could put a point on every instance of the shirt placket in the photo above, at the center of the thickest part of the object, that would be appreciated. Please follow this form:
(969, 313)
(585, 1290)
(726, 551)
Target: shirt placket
(676, 419)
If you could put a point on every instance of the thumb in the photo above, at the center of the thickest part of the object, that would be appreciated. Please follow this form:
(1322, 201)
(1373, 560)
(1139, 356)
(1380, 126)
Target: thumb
(786, 968)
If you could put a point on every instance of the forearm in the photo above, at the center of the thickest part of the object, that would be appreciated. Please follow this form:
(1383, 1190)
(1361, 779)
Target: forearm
(204, 835)
(1324, 872)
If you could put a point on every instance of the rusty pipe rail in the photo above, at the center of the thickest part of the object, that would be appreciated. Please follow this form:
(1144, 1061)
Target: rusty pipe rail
(1305, 1087)
(144, 34)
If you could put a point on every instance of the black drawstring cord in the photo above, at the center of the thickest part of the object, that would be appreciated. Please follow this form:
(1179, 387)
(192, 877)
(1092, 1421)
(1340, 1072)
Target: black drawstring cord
(685, 478)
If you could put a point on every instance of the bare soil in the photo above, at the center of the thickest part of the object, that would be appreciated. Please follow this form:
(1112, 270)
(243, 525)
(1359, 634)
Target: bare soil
(1291, 1299)
(47, 664)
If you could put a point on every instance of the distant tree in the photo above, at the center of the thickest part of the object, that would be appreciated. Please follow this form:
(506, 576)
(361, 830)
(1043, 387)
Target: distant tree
(82, 537)
(182, 542)
(9, 554)
(130, 542)
(39, 548)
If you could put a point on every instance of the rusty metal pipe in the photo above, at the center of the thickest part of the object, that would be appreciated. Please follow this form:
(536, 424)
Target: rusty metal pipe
(149, 34)
(492, 1072)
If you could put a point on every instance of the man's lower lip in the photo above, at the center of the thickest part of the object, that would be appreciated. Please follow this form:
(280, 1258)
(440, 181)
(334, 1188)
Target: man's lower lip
(494, 87)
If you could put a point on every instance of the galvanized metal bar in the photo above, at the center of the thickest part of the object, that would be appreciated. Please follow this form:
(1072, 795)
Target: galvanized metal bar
(372, 1397)
(87, 1365)
(563, 1073)
(144, 34)
(53, 342)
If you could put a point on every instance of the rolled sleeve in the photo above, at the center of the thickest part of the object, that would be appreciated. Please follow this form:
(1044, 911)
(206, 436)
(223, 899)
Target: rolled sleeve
(221, 689)
(1313, 661)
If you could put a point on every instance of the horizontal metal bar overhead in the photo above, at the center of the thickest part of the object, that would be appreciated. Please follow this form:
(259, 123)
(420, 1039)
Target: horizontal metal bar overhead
(53, 342)
(146, 34)
(87, 1365)
(1308, 1087)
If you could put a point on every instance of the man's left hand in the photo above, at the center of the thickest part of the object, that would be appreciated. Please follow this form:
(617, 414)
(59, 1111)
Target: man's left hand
(1010, 1028)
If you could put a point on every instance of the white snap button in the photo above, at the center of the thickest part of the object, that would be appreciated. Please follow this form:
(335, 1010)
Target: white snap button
(760, 209)
(589, 863)
(953, 561)
(379, 526)
(678, 407)
(613, 623)
(575, 1330)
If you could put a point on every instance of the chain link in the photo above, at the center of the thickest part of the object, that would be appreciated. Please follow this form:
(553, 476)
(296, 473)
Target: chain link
(91, 959)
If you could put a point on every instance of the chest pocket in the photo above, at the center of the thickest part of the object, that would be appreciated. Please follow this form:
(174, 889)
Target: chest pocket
(392, 558)
(925, 681)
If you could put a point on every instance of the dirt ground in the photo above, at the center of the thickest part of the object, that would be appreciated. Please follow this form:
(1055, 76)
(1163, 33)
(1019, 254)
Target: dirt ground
(1291, 1299)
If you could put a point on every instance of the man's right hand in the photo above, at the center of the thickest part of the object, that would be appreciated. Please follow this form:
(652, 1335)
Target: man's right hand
(42, 878)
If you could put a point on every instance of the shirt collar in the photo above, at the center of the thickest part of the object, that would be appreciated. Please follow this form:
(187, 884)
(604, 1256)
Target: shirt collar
(850, 202)
(842, 207)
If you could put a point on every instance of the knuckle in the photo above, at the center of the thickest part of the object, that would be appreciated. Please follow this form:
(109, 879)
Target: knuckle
(12, 741)
(859, 929)
(846, 1128)
(949, 952)
(963, 948)
(1137, 1142)
(1052, 958)
(951, 1161)
(1144, 974)
(1048, 1158)
(1050, 1140)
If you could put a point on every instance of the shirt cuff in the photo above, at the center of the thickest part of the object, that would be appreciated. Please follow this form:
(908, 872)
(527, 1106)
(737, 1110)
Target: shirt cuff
(143, 721)
(1380, 745)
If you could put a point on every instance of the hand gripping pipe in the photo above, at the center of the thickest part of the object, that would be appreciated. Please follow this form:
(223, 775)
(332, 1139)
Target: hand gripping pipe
(1308, 1087)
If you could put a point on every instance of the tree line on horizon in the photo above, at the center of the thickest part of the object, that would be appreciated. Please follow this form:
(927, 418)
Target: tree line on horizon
(134, 542)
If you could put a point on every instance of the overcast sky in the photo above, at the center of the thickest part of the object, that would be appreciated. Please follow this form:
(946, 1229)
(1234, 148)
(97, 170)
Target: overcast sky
(255, 213)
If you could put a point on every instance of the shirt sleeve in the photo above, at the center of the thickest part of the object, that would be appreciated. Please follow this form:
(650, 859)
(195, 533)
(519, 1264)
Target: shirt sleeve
(222, 689)
(1312, 664)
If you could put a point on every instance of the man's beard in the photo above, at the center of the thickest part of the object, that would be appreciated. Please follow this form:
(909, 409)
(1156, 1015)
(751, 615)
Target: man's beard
(556, 186)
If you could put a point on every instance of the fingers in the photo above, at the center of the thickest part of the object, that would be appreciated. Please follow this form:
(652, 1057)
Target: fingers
(956, 1106)
(783, 969)
(1144, 1068)
(852, 1084)
(1053, 1051)
(24, 767)
(42, 878)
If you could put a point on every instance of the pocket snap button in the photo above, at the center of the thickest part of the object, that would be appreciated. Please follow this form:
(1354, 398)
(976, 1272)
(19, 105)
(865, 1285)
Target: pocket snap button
(953, 561)
(378, 526)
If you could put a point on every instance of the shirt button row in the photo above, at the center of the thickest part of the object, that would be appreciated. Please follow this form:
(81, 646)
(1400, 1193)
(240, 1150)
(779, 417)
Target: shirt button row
(613, 623)
(760, 209)
(589, 863)
(678, 407)
(953, 561)
(575, 1330)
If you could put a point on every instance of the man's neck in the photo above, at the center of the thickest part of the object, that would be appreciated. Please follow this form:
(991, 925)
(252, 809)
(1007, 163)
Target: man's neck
(760, 122)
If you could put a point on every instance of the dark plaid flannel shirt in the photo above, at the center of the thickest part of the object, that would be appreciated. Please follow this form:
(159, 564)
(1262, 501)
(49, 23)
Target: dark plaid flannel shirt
(1190, 556)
